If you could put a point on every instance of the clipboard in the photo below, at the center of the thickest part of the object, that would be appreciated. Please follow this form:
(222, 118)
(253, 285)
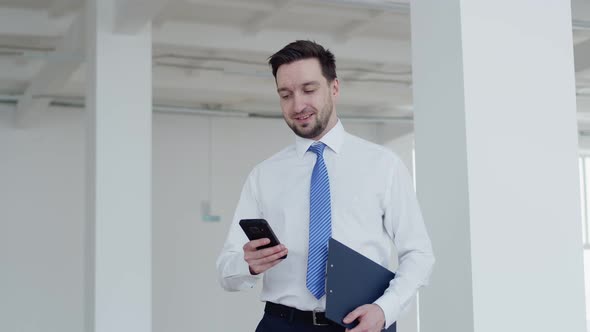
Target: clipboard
(351, 281)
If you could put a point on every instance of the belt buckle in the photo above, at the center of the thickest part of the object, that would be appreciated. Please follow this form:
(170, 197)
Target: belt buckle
(315, 320)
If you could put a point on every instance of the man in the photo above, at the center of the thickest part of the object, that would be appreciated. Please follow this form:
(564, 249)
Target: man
(329, 183)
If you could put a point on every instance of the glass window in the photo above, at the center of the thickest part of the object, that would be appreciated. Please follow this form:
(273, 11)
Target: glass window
(585, 197)
(587, 283)
(584, 164)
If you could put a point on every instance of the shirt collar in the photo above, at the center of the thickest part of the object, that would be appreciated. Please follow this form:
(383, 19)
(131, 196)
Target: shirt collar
(333, 139)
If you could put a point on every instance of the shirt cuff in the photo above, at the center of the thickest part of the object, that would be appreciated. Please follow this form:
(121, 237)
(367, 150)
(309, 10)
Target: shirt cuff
(241, 271)
(391, 307)
(250, 280)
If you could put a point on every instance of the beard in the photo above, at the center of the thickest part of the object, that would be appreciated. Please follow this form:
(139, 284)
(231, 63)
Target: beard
(317, 127)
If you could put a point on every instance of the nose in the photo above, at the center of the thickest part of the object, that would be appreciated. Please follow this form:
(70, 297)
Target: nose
(299, 103)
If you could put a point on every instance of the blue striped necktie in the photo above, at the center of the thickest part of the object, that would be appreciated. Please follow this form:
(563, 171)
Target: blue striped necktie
(320, 226)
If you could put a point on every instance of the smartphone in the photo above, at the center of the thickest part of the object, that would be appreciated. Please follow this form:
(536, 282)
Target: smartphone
(259, 229)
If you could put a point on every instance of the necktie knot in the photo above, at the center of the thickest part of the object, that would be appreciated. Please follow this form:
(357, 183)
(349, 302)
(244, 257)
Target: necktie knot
(317, 148)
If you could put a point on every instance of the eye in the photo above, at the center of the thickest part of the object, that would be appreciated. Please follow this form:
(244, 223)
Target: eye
(285, 97)
(309, 91)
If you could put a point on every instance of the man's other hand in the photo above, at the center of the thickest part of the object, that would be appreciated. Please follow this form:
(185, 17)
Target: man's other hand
(371, 318)
(263, 259)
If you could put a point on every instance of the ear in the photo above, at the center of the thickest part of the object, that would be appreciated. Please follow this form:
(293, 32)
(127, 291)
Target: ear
(335, 88)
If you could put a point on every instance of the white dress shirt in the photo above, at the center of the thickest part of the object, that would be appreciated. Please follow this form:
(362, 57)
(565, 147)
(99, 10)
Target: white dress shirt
(374, 207)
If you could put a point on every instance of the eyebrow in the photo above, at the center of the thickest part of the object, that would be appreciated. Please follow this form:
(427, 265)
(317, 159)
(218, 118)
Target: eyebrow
(312, 83)
(306, 84)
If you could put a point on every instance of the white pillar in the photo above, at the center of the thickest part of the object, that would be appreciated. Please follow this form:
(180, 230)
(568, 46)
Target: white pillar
(496, 164)
(118, 106)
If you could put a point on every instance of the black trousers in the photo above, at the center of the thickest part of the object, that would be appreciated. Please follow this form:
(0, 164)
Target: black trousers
(270, 323)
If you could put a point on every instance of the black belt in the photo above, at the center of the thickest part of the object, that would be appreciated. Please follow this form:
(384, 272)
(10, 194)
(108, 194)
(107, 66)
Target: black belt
(316, 318)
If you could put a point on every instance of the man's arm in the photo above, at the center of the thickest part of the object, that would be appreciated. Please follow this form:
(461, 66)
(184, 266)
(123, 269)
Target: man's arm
(232, 270)
(240, 263)
(404, 224)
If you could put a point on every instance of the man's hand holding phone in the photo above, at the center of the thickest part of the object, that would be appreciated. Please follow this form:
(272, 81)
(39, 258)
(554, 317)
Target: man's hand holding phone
(260, 260)
(264, 249)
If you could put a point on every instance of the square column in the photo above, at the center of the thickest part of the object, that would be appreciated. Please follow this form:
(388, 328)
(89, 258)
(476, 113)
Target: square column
(119, 228)
(496, 164)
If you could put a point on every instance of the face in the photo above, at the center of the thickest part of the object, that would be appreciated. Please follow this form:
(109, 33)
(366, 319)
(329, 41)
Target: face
(307, 98)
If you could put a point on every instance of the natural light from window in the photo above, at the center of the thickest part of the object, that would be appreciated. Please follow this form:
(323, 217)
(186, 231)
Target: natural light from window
(585, 204)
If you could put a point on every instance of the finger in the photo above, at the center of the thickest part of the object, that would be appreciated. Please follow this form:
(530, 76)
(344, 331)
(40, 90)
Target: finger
(252, 245)
(356, 313)
(255, 261)
(362, 326)
(263, 253)
(273, 257)
(250, 253)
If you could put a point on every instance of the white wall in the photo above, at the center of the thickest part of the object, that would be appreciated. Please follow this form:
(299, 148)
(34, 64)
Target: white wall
(42, 213)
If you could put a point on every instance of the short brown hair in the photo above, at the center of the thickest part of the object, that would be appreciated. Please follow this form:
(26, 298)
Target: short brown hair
(304, 49)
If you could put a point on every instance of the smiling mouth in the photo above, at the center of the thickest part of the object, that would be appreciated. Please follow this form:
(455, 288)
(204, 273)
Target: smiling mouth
(303, 117)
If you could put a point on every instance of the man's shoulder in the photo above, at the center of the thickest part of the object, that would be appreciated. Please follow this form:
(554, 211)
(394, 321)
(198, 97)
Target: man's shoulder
(284, 155)
(372, 150)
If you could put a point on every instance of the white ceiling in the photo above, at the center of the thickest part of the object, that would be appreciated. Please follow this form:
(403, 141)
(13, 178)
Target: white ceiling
(211, 54)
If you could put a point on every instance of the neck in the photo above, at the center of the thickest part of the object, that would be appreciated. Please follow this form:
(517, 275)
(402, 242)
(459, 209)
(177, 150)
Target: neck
(331, 124)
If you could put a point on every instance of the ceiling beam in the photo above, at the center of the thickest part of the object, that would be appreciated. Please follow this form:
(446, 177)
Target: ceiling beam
(59, 8)
(385, 5)
(22, 22)
(11, 69)
(236, 5)
(232, 39)
(582, 56)
(350, 29)
(57, 70)
(258, 22)
(580, 10)
(133, 15)
(300, 7)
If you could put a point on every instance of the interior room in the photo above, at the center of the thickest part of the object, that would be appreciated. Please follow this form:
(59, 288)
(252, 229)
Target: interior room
(128, 129)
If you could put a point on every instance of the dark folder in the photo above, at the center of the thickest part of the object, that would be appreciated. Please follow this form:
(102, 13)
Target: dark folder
(352, 280)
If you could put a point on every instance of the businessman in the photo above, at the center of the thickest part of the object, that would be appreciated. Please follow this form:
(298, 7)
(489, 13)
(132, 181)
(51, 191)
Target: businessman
(329, 183)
